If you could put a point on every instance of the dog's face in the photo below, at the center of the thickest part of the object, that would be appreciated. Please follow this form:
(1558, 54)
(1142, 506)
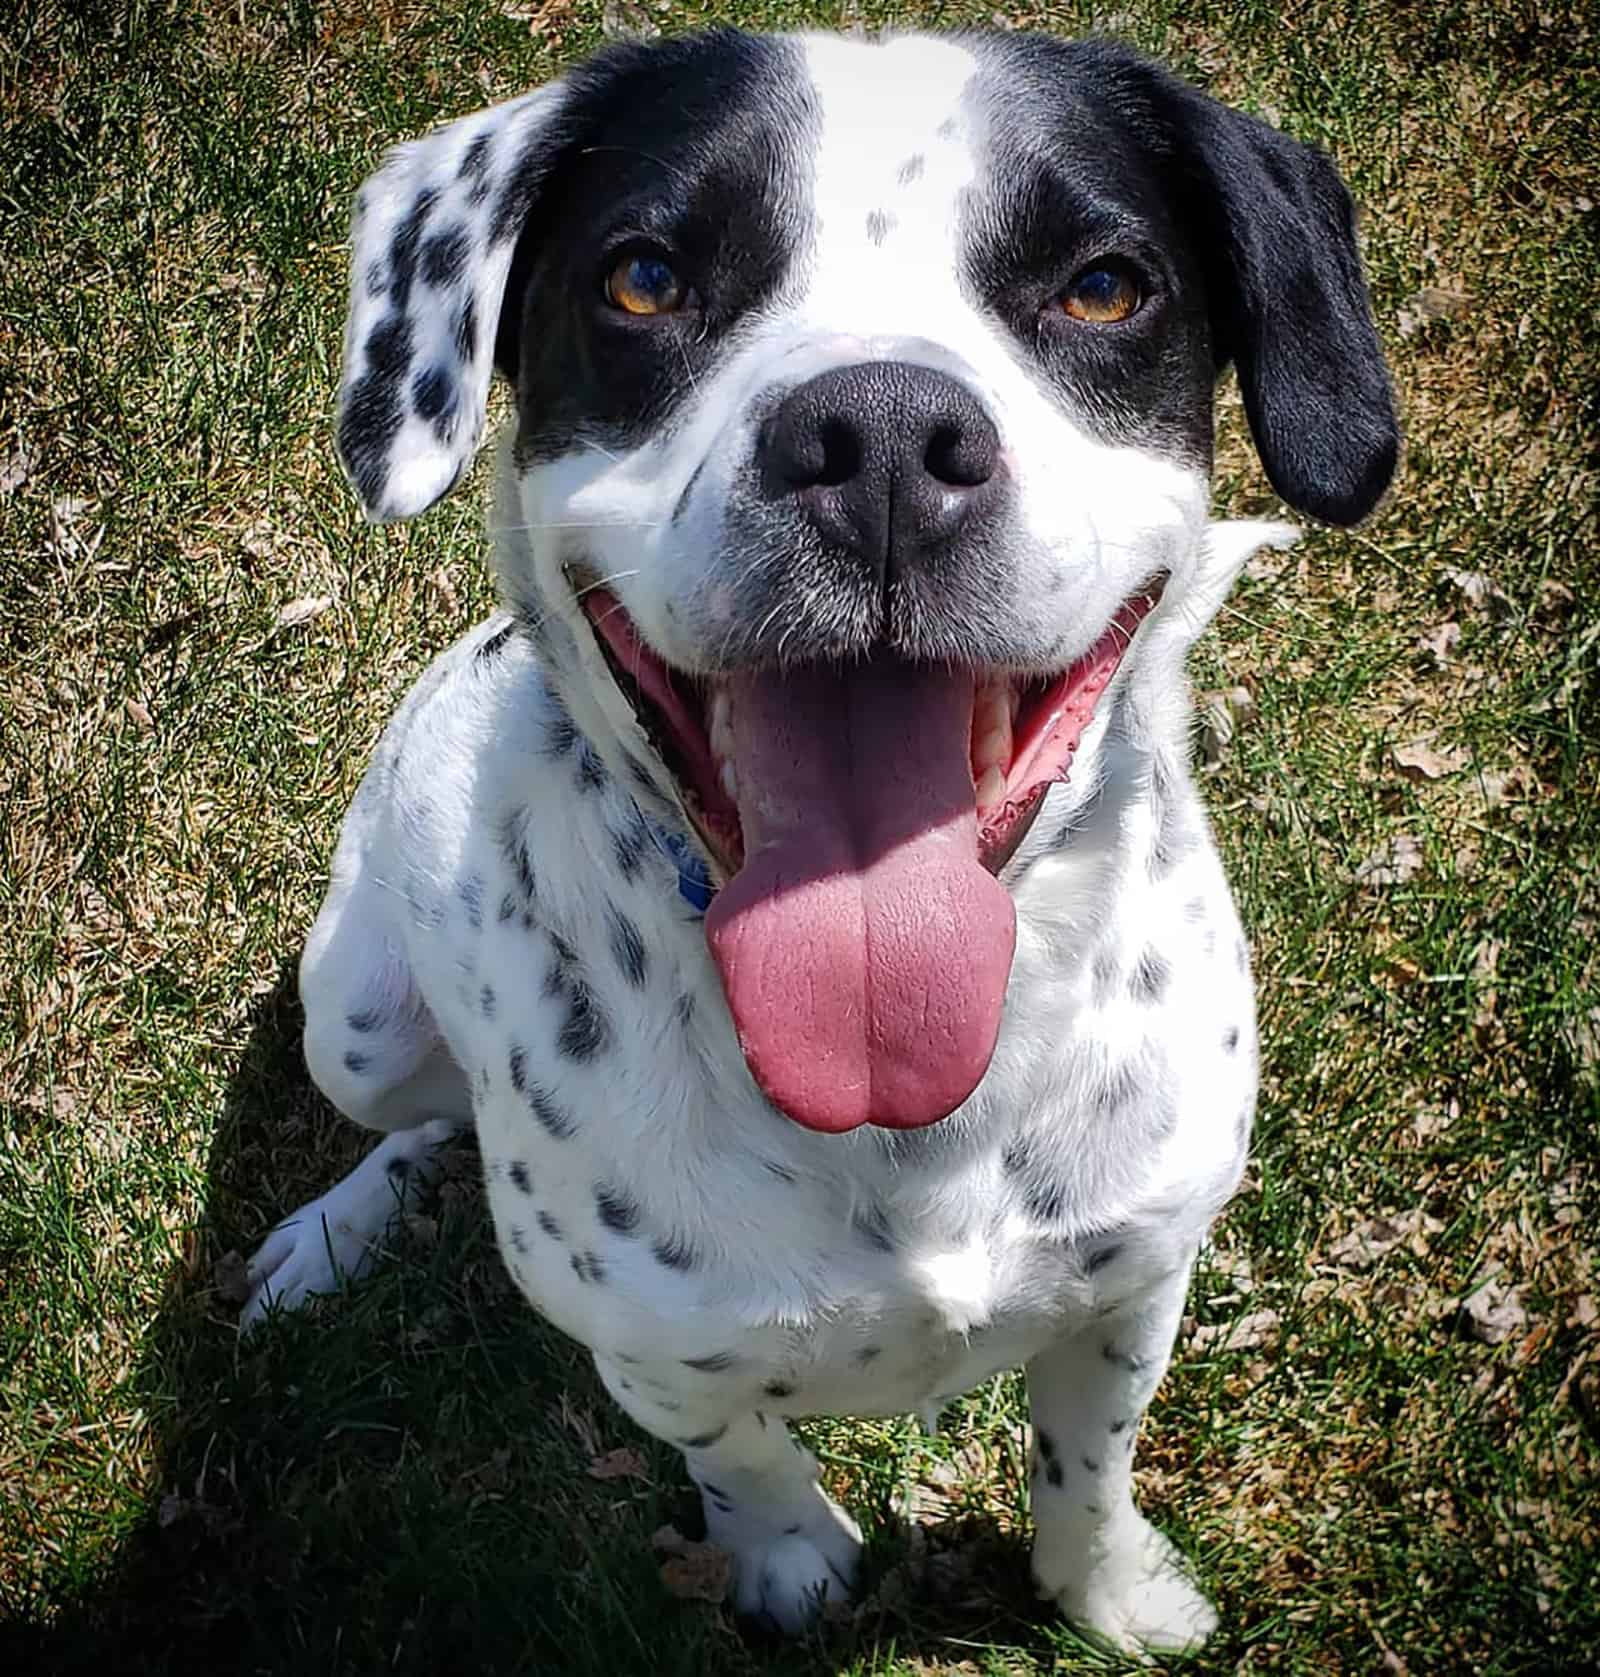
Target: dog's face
(864, 418)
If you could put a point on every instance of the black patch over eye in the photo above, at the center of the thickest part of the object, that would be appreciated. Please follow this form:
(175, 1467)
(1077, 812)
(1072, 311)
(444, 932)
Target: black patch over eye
(643, 284)
(1103, 294)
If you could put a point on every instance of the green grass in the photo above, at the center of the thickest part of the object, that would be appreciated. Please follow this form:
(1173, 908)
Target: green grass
(402, 1485)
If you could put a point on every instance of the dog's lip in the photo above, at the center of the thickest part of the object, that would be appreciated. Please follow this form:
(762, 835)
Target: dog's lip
(670, 705)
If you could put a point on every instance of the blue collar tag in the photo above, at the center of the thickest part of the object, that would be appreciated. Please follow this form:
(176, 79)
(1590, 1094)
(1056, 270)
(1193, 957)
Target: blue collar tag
(694, 883)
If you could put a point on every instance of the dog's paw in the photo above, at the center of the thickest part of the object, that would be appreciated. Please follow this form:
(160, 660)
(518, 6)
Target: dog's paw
(335, 1238)
(785, 1575)
(1134, 1591)
(309, 1253)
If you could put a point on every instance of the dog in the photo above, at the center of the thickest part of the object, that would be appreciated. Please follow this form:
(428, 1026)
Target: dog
(800, 886)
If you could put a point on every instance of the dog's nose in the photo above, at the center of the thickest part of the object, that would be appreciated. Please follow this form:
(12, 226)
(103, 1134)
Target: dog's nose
(886, 459)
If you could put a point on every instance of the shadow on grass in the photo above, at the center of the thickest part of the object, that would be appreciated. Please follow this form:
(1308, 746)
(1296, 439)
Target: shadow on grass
(398, 1480)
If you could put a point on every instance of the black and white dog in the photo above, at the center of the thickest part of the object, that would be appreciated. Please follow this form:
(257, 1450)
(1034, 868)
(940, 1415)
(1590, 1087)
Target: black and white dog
(800, 886)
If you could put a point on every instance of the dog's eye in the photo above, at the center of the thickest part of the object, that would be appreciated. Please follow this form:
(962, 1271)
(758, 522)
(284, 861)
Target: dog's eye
(1102, 294)
(641, 284)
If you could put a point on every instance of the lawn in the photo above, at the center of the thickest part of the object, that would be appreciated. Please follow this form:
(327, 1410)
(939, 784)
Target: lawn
(1380, 1436)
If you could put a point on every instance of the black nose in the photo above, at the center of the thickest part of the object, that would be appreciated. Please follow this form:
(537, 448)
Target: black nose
(886, 459)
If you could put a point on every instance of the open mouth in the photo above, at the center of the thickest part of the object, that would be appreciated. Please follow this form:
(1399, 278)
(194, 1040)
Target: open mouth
(857, 815)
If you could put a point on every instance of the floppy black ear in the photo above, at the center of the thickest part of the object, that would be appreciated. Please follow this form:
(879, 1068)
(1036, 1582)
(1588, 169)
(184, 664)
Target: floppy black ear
(1289, 307)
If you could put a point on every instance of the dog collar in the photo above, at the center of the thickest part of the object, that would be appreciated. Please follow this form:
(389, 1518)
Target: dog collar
(694, 882)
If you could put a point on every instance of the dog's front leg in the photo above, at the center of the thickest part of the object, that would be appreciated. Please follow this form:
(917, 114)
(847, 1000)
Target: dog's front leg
(793, 1546)
(1095, 1555)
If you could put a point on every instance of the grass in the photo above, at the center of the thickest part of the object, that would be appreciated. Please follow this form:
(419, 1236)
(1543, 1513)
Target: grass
(1377, 1486)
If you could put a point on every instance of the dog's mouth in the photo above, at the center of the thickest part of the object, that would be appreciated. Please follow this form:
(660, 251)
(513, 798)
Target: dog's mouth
(857, 815)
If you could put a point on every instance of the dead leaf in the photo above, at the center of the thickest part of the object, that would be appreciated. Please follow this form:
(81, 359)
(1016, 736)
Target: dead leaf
(1438, 647)
(1479, 592)
(1432, 302)
(303, 610)
(1244, 1333)
(1222, 714)
(1419, 761)
(230, 1277)
(1493, 1312)
(624, 1463)
(622, 20)
(1367, 1242)
(692, 1571)
(1394, 862)
(15, 470)
(139, 713)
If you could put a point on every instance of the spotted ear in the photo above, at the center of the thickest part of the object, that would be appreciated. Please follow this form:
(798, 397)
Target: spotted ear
(432, 240)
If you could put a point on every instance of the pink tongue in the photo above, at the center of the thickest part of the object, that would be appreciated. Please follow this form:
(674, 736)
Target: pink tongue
(863, 947)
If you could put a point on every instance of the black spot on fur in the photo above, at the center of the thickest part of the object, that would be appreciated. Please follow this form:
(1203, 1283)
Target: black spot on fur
(355, 1063)
(495, 645)
(559, 735)
(627, 947)
(585, 1031)
(518, 1066)
(398, 1169)
(868, 1354)
(703, 1440)
(444, 256)
(879, 226)
(587, 1266)
(433, 396)
(486, 1001)
(366, 1021)
(370, 419)
(475, 159)
(1091, 1465)
(470, 891)
(1098, 1260)
(519, 1240)
(778, 1389)
(1045, 1200)
(404, 246)
(617, 1210)
(1230, 1039)
(1150, 977)
(508, 908)
(1047, 1445)
(1052, 1473)
(1122, 1359)
(550, 1226)
(675, 1252)
(514, 847)
(518, 1172)
(771, 1166)
(592, 775)
(466, 333)
(911, 169)
(1016, 1157)
(555, 1120)
(1120, 1426)
(641, 775)
(631, 843)
(717, 1362)
(389, 347)
(377, 279)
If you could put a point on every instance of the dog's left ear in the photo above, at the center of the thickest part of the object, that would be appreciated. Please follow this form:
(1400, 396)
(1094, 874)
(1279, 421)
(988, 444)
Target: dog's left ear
(1276, 229)
(433, 237)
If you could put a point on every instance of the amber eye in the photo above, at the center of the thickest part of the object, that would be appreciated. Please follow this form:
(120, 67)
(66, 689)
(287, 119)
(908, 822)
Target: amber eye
(1102, 295)
(644, 285)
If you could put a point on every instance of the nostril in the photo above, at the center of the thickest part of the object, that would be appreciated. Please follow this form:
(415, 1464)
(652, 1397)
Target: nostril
(841, 454)
(957, 456)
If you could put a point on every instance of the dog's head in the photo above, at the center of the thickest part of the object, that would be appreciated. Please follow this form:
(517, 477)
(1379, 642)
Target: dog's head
(864, 397)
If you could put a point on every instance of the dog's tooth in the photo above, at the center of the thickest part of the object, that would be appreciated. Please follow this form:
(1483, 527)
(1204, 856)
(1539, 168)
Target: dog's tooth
(730, 780)
(719, 729)
(991, 788)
